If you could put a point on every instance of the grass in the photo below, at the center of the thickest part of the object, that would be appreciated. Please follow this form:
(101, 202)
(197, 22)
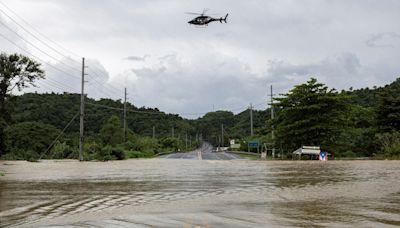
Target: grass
(2, 174)
(248, 156)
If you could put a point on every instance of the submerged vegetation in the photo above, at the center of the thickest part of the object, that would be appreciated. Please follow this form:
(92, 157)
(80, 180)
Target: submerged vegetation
(348, 123)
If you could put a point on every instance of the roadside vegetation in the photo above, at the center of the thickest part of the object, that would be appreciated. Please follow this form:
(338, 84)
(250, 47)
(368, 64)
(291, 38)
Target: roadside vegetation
(348, 123)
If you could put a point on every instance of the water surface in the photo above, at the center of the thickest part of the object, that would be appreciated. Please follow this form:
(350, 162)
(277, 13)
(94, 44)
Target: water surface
(185, 193)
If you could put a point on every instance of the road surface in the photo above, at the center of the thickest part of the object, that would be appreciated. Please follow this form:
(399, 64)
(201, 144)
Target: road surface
(206, 152)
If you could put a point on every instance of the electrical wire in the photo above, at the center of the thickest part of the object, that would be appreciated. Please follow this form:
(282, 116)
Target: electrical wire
(58, 84)
(44, 43)
(38, 32)
(61, 133)
(33, 35)
(37, 48)
(34, 56)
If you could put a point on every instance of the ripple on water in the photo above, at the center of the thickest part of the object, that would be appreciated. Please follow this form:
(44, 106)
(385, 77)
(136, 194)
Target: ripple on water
(296, 192)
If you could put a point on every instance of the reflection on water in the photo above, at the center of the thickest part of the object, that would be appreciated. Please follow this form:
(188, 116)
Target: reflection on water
(176, 192)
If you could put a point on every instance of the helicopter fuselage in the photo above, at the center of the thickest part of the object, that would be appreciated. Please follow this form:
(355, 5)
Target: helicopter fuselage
(205, 20)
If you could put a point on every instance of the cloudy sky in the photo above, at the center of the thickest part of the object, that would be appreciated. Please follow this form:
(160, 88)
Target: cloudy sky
(148, 47)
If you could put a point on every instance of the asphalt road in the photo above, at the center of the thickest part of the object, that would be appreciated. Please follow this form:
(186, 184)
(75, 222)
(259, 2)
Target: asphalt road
(206, 152)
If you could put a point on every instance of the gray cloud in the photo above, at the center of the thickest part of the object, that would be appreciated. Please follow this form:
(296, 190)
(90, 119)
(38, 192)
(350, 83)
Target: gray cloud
(383, 40)
(191, 69)
(340, 71)
(65, 76)
(175, 86)
(137, 58)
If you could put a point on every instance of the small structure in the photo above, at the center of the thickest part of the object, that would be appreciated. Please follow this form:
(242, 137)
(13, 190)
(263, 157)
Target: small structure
(323, 156)
(233, 145)
(253, 144)
(312, 151)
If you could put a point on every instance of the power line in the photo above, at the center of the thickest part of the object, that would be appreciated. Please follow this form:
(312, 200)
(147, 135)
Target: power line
(33, 28)
(102, 84)
(44, 43)
(62, 132)
(58, 85)
(15, 44)
(37, 48)
(37, 38)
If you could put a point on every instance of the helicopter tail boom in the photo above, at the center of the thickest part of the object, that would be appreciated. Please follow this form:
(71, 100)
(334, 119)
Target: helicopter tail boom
(223, 19)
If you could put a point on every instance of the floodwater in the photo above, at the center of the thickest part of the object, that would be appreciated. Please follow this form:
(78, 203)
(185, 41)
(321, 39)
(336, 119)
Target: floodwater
(200, 193)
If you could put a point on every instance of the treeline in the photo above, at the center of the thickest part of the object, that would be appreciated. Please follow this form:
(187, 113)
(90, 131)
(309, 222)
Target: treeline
(347, 123)
(352, 123)
(37, 120)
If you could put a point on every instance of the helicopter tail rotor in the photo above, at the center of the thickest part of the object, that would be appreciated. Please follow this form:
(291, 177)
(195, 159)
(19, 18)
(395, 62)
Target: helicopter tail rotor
(226, 16)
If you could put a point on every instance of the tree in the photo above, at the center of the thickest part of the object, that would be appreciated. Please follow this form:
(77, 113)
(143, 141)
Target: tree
(389, 107)
(28, 140)
(111, 133)
(310, 114)
(16, 72)
(210, 124)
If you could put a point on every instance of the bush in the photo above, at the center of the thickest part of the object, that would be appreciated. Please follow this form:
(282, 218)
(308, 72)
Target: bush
(110, 153)
(390, 144)
(348, 154)
(144, 144)
(172, 143)
(91, 150)
(62, 150)
(139, 154)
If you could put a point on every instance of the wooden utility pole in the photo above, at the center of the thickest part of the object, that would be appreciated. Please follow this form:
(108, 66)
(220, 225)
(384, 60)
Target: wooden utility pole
(154, 132)
(272, 126)
(125, 116)
(222, 135)
(186, 141)
(251, 120)
(82, 113)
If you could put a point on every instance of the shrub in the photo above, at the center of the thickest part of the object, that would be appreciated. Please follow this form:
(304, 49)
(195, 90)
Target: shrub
(390, 144)
(63, 150)
(110, 153)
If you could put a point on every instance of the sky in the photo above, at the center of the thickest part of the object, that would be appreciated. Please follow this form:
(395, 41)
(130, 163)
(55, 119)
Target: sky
(164, 62)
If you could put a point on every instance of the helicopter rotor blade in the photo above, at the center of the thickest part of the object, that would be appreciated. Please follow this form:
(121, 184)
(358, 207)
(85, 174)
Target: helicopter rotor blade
(193, 13)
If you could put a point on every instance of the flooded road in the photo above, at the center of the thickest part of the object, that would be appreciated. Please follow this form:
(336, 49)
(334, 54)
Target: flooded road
(206, 152)
(203, 193)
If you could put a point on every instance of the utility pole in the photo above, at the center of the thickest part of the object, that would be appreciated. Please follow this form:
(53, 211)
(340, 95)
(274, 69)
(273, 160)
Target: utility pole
(154, 132)
(222, 135)
(186, 141)
(251, 120)
(272, 126)
(125, 116)
(82, 113)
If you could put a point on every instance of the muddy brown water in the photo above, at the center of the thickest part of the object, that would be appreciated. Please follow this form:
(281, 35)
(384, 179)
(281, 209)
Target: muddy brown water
(195, 193)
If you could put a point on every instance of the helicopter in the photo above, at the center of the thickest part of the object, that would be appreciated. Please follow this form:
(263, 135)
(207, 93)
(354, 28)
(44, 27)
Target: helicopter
(204, 19)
